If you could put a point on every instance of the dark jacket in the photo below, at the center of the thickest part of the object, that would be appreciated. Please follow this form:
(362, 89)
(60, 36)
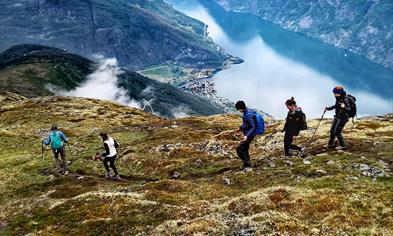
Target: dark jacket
(341, 113)
(293, 121)
(249, 125)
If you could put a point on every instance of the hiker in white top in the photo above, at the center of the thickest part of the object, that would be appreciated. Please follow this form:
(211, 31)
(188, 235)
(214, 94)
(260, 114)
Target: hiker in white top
(109, 155)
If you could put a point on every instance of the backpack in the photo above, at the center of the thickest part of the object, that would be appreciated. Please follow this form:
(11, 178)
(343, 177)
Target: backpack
(56, 142)
(260, 123)
(302, 121)
(352, 105)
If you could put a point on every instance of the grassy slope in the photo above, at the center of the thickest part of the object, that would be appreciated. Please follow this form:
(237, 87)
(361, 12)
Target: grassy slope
(294, 200)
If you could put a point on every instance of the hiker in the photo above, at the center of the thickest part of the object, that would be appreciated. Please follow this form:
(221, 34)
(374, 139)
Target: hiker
(109, 155)
(342, 108)
(295, 122)
(57, 139)
(253, 124)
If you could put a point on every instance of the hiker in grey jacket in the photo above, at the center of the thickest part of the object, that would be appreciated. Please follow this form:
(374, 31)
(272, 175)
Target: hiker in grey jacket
(57, 139)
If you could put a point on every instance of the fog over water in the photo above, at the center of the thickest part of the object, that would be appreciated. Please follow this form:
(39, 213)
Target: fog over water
(280, 64)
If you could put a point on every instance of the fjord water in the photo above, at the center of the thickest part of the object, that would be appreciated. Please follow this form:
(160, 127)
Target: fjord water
(280, 64)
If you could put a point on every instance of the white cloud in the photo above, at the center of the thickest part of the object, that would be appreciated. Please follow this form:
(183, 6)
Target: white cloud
(103, 84)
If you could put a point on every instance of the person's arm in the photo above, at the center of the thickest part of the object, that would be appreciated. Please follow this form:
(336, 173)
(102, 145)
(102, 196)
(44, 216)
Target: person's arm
(106, 153)
(286, 124)
(346, 107)
(251, 123)
(47, 140)
(331, 108)
(63, 137)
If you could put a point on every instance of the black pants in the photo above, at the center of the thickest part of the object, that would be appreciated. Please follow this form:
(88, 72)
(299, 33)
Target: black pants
(336, 131)
(288, 139)
(242, 151)
(111, 161)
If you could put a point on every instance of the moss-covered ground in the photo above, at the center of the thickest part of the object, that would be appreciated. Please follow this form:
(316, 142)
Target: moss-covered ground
(181, 177)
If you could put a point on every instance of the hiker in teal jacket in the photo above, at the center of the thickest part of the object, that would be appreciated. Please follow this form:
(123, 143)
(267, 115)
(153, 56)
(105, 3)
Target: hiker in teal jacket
(57, 139)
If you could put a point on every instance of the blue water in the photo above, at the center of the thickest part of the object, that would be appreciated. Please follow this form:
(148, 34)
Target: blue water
(280, 64)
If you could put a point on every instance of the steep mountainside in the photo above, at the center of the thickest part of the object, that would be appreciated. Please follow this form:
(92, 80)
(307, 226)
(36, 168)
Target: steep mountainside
(138, 33)
(31, 70)
(181, 177)
(364, 27)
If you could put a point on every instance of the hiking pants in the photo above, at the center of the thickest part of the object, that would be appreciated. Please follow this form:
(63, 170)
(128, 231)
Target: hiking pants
(336, 131)
(111, 161)
(61, 165)
(242, 151)
(288, 139)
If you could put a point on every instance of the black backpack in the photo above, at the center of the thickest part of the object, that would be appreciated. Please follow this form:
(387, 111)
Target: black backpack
(302, 121)
(352, 105)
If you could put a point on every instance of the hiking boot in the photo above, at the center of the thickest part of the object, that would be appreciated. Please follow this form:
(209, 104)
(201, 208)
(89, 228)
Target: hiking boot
(243, 167)
(288, 155)
(331, 146)
(117, 177)
(247, 169)
(341, 147)
(109, 175)
(303, 152)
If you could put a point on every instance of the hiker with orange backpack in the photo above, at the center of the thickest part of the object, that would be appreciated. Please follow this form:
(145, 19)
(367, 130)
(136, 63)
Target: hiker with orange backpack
(57, 139)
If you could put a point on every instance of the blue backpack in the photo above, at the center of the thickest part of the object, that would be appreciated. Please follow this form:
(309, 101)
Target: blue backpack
(260, 122)
(55, 139)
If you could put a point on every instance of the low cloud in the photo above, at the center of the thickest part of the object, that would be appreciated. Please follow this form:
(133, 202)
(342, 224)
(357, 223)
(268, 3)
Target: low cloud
(103, 84)
(180, 112)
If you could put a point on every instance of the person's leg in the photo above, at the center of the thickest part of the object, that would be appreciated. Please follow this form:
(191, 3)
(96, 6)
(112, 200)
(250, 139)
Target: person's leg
(295, 147)
(105, 161)
(112, 164)
(248, 143)
(63, 164)
(333, 129)
(339, 134)
(57, 161)
(241, 151)
(288, 138)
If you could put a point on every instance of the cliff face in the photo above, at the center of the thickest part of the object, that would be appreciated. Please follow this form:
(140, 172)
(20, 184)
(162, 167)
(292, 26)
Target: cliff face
(364, 27)
(138, 33)
(181, 177)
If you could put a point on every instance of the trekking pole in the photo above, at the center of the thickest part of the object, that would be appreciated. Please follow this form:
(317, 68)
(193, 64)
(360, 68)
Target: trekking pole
(42, 151)
(312, 137)
(69, 148)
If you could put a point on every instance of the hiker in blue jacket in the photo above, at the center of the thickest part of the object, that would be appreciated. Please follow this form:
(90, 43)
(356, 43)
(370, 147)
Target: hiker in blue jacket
(57, 139)
(248, 128)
